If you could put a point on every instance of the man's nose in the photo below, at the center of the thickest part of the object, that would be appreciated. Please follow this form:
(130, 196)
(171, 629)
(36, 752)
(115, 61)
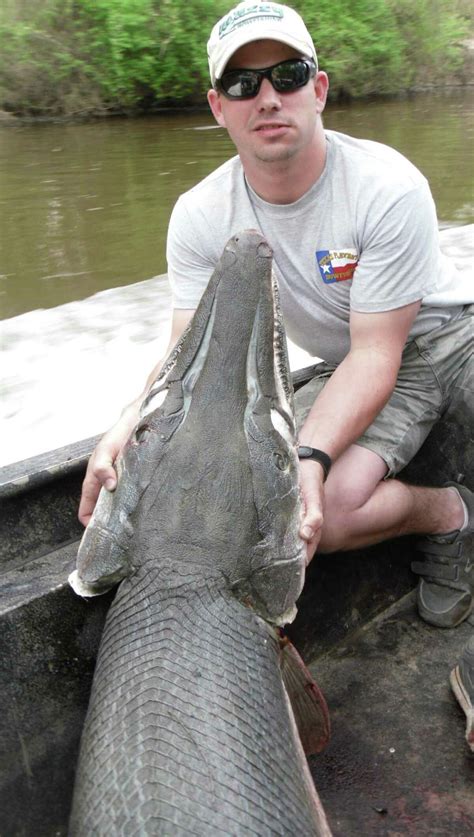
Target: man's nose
(268, 98)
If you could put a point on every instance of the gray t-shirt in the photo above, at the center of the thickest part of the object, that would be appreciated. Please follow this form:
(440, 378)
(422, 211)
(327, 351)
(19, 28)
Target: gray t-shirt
(364, 237)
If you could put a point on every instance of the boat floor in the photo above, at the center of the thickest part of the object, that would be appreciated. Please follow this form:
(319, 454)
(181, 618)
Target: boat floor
(397, 762)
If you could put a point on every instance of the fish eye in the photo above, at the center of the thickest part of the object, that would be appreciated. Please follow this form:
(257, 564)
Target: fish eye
(281, 460)
(142, 433)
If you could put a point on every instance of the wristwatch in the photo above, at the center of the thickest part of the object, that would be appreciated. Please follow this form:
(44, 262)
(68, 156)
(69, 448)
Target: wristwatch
(324, 459)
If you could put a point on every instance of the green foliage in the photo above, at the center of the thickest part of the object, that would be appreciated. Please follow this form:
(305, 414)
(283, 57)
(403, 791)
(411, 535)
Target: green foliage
(385, 46)
(432, 32)
(359, 44)
(96, 56)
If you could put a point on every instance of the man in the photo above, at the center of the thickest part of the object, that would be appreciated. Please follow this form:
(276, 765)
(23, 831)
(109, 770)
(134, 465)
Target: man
(354, 233)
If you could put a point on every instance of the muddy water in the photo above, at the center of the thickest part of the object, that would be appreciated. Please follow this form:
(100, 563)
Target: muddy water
(84, 210)
(86, 207)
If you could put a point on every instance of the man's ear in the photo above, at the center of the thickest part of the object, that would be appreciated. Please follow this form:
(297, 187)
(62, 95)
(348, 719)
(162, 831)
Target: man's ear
(216, 106)
(321, 86)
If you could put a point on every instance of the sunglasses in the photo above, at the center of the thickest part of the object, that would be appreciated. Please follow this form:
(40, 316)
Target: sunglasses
(284, 77)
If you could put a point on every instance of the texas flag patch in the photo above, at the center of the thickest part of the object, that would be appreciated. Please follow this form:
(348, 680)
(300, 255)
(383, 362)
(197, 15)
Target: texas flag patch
(336, 265)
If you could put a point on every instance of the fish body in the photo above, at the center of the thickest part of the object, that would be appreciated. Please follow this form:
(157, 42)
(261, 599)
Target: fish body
(189, 728)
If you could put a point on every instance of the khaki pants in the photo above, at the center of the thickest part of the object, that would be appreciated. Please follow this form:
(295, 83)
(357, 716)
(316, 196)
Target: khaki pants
(432, 367)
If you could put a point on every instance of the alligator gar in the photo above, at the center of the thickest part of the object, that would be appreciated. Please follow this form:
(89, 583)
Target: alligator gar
(189, 729)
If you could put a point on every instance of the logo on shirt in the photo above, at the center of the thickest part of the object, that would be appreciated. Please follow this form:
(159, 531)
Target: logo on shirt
(336, 265)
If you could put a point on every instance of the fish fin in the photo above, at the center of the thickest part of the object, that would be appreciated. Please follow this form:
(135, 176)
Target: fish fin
(85, 590)
(306, 698)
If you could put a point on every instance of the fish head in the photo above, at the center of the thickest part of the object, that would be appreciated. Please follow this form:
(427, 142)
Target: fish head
(209, 478)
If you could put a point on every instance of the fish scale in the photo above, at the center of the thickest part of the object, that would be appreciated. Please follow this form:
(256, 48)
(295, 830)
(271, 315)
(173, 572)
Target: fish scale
(191, 710)
(189, 728)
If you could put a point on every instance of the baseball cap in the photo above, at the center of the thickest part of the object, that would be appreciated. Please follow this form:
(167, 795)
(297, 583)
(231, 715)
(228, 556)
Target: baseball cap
(254, 22)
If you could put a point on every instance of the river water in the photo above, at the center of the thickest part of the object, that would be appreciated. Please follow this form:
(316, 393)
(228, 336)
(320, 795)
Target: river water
(84, 209)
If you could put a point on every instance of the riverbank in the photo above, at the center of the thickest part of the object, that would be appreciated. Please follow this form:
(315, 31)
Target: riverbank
(68, 371)
(17, 119)
(107, 58)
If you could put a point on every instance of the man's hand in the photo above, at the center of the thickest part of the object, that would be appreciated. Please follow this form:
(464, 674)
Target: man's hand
(312, 495)
(100, 470)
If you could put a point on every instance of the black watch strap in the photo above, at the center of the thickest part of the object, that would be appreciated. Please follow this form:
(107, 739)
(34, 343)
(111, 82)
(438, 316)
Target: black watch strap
(324, 459)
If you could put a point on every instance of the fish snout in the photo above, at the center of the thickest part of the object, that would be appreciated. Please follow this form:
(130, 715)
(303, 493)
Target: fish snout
(246, 241)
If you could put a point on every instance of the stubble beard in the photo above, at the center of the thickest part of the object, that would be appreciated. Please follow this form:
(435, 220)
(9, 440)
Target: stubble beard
(274, 155)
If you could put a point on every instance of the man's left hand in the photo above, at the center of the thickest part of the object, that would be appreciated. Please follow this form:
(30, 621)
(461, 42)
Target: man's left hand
(312, 495)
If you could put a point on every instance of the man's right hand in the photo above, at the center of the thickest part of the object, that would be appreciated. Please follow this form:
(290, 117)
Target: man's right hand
(100, 470)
